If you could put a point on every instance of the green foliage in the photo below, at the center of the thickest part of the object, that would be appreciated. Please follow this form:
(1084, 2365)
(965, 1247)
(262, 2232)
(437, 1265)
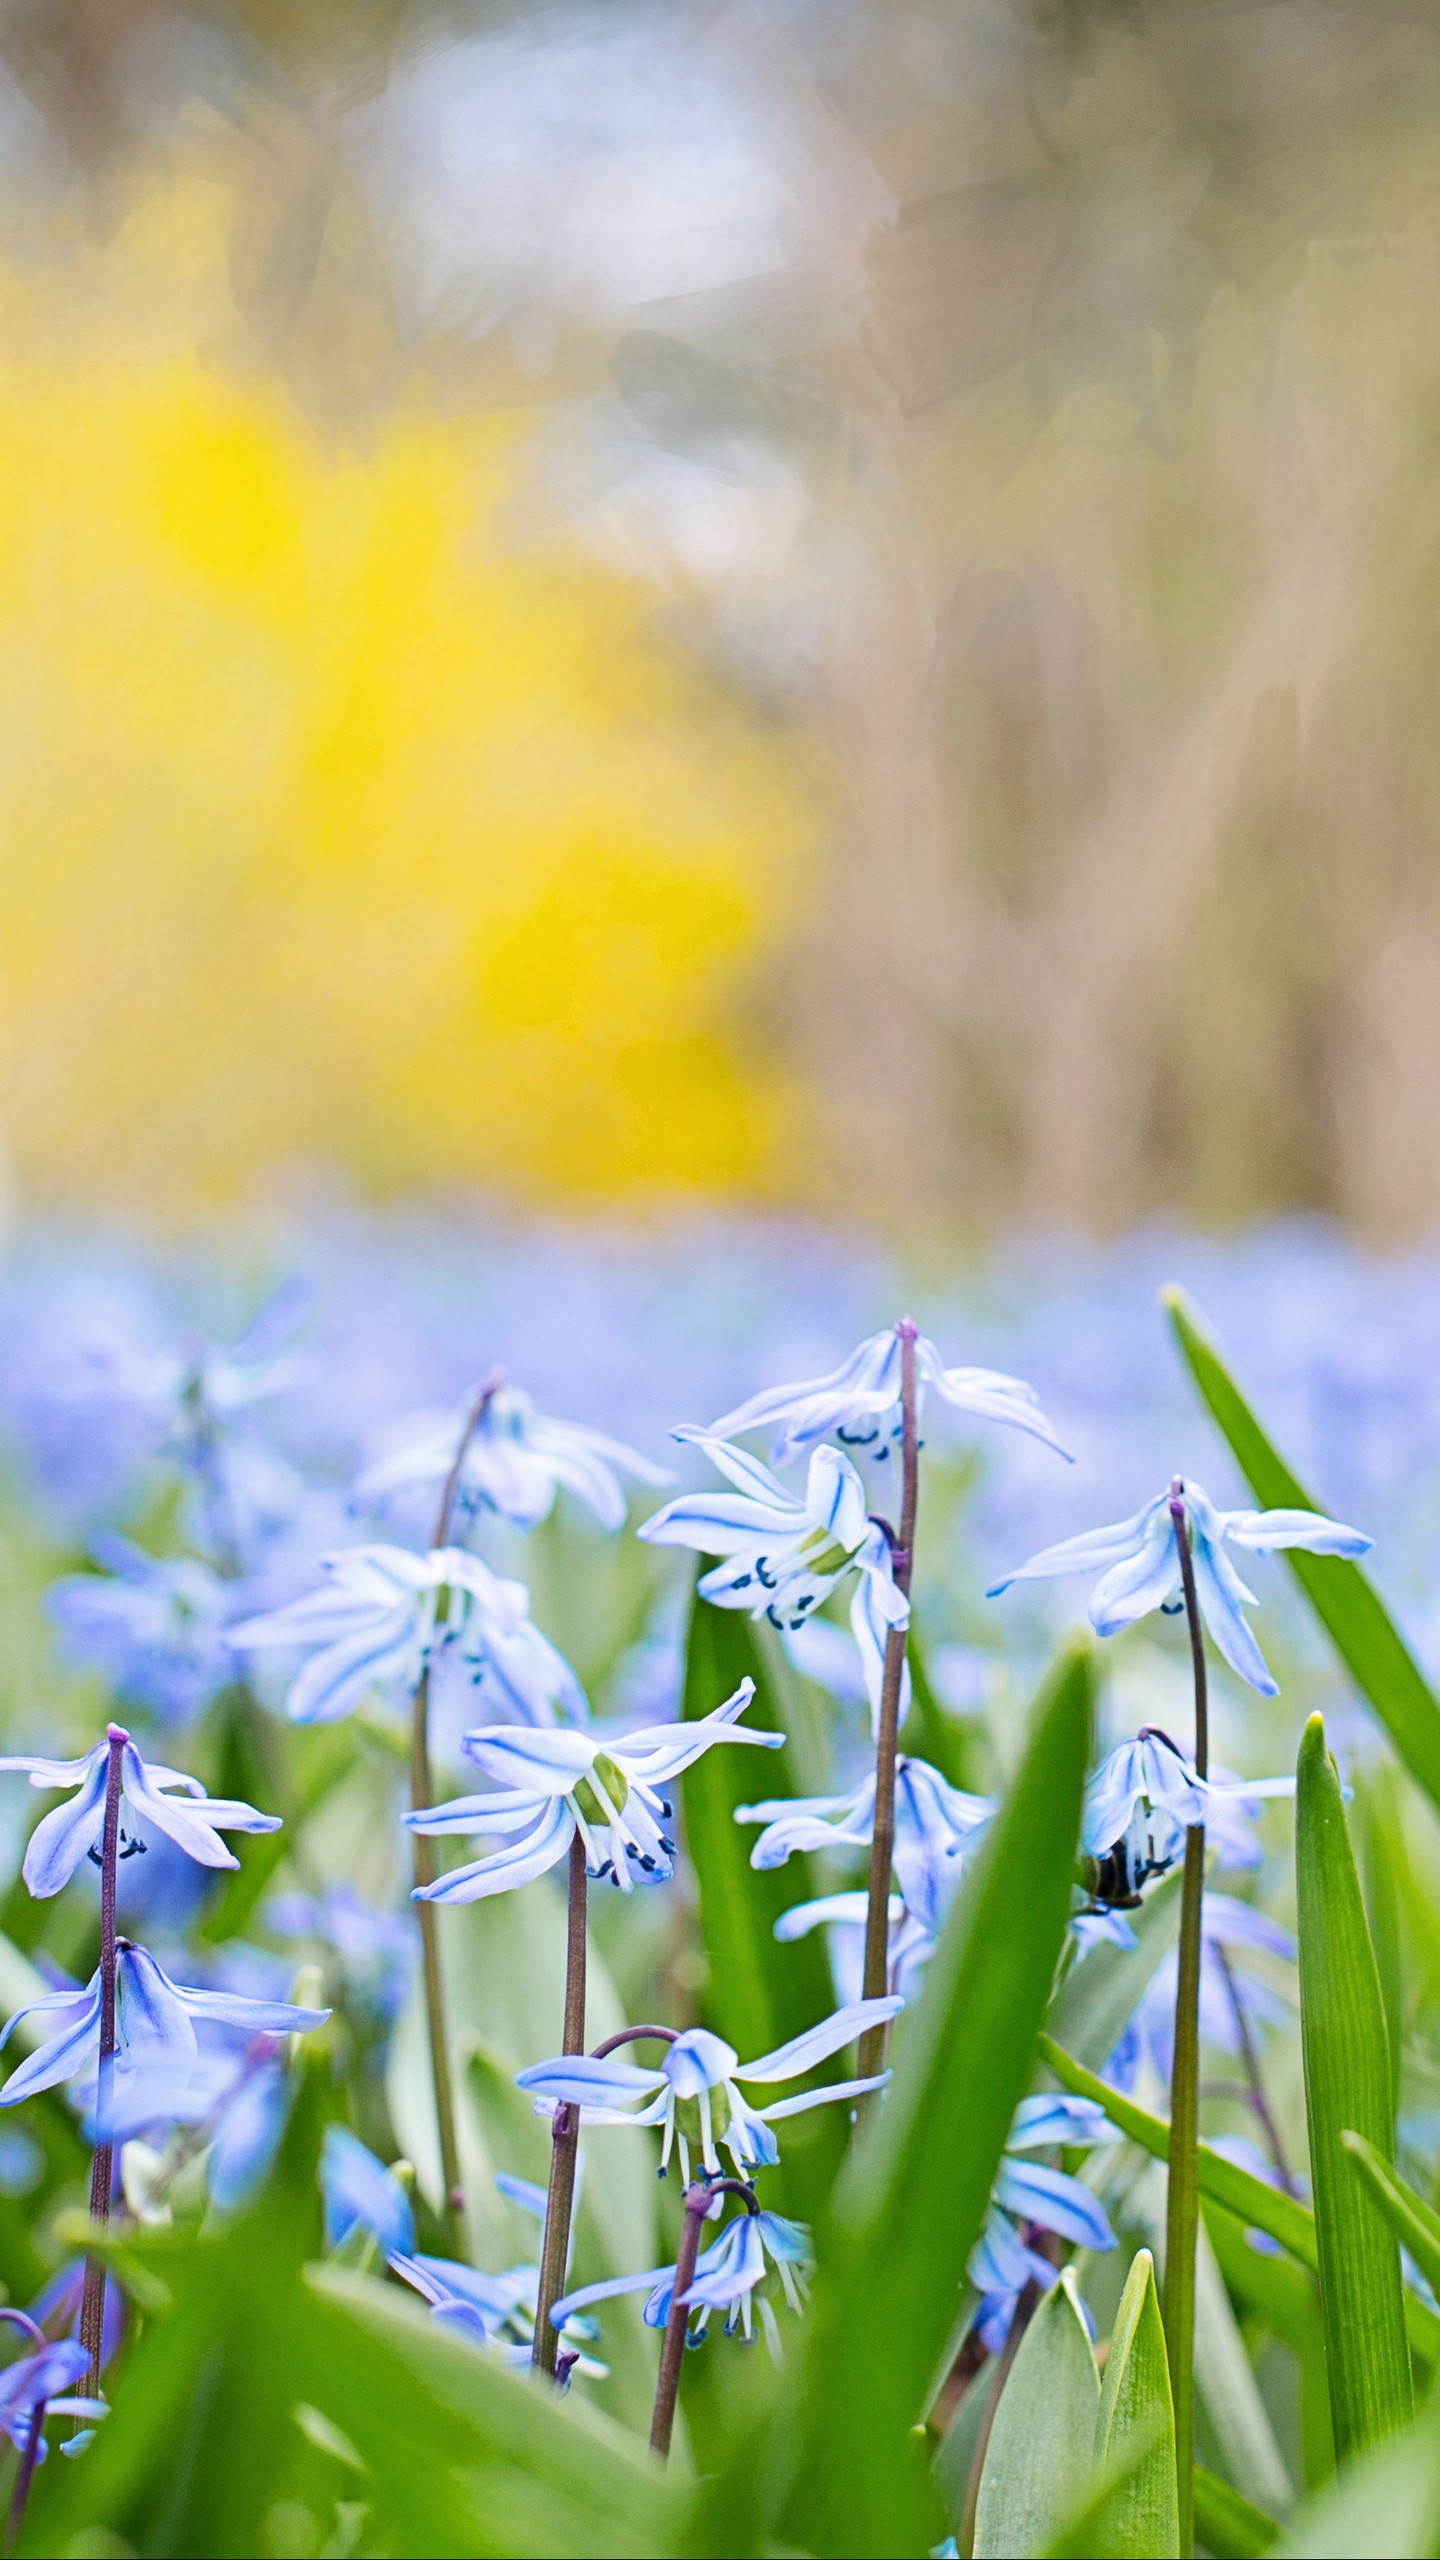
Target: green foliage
(1142, 2514)
(1344, 1600)
(1347, 2086)
(1228, 2524)
(1415, 2224)
(915, 2191)
(1037, 2463)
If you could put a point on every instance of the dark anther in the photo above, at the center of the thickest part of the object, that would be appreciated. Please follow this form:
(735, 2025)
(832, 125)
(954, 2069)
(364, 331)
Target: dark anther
(770, 1581)
(666, 1808)
(742, 1582)
(667, 1845)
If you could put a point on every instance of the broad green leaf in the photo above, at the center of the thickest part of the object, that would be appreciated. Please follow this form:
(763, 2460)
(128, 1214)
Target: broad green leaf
(1037, 2463)
(1347, 1604)
(1228, 2524)
(1414, 2223)
(759, 1994)
(1086, 2532)
(1239, 2422)
(1347, 2085)
(1142, 2516)
(1098, 1997)
(915, 2192)
(963, 2442)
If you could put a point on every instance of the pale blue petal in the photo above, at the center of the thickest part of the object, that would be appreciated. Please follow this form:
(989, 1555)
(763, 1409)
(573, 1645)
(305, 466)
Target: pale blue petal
(517, 1864)
(1227, 1624)
(1093, 1549)
(1057, 2202)
(68, 1832)
(809, 2098)
(1140, 1583)
(819, 2042)
(1264, 1531)
(578, 2079)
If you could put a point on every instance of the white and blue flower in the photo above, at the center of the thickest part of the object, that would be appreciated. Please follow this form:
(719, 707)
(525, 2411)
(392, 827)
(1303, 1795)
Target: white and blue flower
(383, 1616)
(515, 1462)
(859, 1403)
(555, 1784)
(159, 1799)
(1029, 2196)
(727, 2278)
(694, 2093)
(155, 2022)
(153, 1625)
(1146, 1795)
(935, 1826)
(1139, 1564)
(781, 1557)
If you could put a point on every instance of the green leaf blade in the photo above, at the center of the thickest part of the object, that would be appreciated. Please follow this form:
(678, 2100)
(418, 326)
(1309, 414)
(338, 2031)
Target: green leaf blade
(1347, 1604)
(1037, 2463)
(917, 2188)
(1347, 2087)
(1142, 2515)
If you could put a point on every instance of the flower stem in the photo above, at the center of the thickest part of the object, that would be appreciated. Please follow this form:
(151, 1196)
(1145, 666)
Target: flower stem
(564, 2130)
(1254, 2081)
(92, 2301)
(421, 1796)
(667, 2387)
(1182, 2208)
(882, 1841)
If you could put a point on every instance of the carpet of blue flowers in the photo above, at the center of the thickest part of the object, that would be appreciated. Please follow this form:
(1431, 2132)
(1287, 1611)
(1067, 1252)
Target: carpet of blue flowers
(622, 1870)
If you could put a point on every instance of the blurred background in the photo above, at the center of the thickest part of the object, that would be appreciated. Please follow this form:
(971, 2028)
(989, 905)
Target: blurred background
(819, 602)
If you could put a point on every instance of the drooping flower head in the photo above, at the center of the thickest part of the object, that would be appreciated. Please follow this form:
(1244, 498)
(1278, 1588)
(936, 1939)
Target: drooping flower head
(1139, 1565)
(1143, 1798)
(935, 1826)
(159, 1799)
(728, 2277)
(1030, 2196)
(780, 1556)
(844, 1917)
(498, 2310)
(515, 1462)
(554, 1784)
(694, 2091)
(859, 1403)
(377, 1619)
(155, 2031)
(43, 2381)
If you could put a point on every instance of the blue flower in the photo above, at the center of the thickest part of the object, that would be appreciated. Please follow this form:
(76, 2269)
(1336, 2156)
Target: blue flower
(377, 1618)
(154, 2021)
(693, 2092)
(161, 1799)
(727, 2276)
(515, 1461)
(559, 1782)
(154, 1626)
(496, 2311)
(844, 1917)
(781, 1557)
(361, 2193)
(935, 1825)
(44, 2379)
(1229, 1931)
(1140, 1568)
(1027, 2195)
(860, 1401)
(1145, 1795)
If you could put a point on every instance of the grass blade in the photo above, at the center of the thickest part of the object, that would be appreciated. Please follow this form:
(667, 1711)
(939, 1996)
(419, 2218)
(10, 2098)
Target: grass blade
(1228, 2524)
(1415, 2225)
(1347, 1604)
(1143, 2516)
(1347, 2085)
(916, 2191)
(1037, 2463)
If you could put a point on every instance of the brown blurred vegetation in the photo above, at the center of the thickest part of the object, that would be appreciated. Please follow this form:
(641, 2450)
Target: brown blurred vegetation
(1096, 360)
